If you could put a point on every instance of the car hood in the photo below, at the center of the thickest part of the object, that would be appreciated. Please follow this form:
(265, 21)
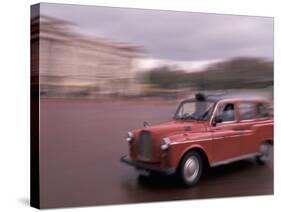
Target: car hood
(174, 128)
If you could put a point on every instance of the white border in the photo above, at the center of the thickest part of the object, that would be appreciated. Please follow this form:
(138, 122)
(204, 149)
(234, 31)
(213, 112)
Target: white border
(14, 84)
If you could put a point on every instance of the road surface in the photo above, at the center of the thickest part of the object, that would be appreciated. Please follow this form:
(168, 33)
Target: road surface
(82, 141)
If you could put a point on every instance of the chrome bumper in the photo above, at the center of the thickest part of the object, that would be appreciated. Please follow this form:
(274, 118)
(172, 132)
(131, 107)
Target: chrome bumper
(147, 166)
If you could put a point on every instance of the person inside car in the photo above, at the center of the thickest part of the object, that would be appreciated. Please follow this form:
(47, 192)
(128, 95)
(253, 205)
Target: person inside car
(228, 113)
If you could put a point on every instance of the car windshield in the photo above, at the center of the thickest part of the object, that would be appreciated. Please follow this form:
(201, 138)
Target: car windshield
(192, 109)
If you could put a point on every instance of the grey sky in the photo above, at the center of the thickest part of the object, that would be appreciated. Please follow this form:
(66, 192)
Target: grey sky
(173, 35)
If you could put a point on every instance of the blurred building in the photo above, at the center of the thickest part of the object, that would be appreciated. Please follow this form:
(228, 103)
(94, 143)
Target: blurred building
(73, 64)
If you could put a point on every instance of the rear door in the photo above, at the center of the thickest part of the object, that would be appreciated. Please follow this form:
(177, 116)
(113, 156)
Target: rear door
(253, 123)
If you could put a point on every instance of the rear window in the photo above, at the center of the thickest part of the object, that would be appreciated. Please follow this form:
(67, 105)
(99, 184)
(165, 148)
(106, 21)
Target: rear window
(262, 110)
(246, 111)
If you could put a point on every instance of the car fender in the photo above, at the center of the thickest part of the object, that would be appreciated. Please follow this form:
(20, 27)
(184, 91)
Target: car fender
(187, 149)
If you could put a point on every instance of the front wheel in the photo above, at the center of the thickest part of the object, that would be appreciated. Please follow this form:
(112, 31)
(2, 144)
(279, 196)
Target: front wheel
(264, 156)
(191, 168)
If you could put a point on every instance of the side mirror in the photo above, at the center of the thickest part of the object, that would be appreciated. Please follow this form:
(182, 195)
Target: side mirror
(217, 119)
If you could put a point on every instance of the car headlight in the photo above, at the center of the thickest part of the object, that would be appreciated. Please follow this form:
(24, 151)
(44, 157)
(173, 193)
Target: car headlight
(165, 143)
(129, 137)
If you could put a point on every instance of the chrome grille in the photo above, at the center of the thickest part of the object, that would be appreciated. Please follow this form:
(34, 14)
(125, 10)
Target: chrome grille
(145, 146)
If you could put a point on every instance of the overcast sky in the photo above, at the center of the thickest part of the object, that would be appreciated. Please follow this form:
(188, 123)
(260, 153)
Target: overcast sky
(173, 35)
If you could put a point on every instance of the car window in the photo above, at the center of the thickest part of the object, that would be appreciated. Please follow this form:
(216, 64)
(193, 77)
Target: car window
(199, 110)
(226, 112)
(262, 111)
(246, 111)
(188, 108)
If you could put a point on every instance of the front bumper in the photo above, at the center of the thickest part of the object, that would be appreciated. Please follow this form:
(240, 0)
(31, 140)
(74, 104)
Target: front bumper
(147, 166)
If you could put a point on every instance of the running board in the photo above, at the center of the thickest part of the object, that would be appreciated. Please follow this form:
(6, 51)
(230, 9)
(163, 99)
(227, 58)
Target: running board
(224, 162)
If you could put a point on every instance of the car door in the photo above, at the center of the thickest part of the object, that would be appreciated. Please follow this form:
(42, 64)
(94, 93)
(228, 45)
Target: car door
(248, 118)
(226, 142)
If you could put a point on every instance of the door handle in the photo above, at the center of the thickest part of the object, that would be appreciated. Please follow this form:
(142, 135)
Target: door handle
(239, 129)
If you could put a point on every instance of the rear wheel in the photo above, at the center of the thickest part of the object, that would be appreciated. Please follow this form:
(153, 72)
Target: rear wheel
(264, 156)
(191, 168)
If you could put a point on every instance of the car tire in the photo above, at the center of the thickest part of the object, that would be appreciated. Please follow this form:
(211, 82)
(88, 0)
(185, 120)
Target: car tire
(264, 156)
(191, 168)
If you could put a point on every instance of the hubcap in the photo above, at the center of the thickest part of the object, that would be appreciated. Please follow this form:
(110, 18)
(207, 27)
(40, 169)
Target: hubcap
(191, 169)
(265, 151)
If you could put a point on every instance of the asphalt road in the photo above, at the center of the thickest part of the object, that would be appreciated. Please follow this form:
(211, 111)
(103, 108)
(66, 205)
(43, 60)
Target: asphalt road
(81, 142)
